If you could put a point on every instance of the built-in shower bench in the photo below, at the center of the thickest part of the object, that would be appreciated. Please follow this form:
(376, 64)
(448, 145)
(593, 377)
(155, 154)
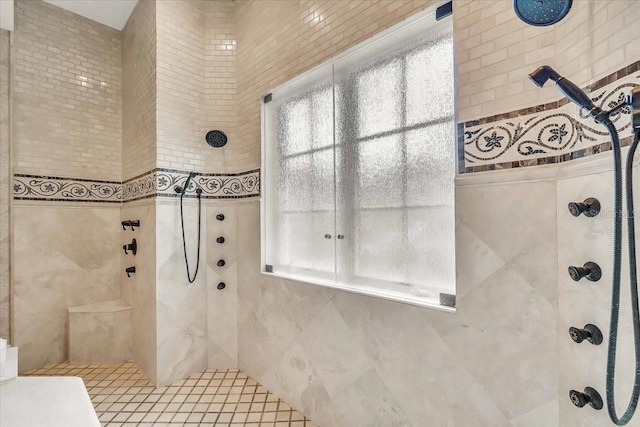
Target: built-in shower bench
(100, 333)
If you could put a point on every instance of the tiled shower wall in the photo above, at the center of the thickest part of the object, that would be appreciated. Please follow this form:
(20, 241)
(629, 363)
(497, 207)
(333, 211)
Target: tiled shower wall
(495, 51)
(329, 352)
(5, 187)
(180, 84)
(348, 359)
(66, 122)
(220, 83)
(139, 91)
(195, 93)
(67, 95)
(278, 40)
(139, 157)
(196, 84)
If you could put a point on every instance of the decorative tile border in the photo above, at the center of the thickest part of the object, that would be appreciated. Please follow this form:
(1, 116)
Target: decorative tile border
(546, 134)
(156, 183)
(34, 187)
(140, 187)
(213, 186)
(161, 182)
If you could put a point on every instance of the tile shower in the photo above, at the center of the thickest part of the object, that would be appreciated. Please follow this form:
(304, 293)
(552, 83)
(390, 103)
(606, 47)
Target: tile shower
(125, 109)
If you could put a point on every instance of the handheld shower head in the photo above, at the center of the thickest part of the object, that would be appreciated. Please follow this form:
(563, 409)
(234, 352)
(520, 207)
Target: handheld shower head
(542, 74)
(569, 89)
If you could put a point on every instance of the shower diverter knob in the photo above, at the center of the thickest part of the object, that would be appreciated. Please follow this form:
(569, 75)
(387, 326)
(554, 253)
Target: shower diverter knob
(590, 396)
(590, 270)
(590, 208)
(590, 333)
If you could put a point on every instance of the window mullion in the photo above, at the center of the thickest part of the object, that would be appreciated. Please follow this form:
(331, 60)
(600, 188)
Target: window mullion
(404, 161)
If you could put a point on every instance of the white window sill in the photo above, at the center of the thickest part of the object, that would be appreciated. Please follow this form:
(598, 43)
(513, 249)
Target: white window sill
(432, 302)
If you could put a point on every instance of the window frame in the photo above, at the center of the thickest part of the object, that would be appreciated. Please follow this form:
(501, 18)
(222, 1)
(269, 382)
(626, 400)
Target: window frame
(409, 31)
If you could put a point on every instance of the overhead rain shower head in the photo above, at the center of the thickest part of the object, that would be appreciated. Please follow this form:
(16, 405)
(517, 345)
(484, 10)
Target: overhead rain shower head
(569, 89)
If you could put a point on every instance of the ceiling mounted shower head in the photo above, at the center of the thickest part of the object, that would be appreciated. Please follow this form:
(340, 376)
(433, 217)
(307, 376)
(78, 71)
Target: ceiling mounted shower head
(541, 13)
(216, 138)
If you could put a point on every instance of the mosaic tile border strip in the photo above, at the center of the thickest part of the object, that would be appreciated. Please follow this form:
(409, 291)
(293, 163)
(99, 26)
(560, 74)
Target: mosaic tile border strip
(52, 188)
(155, 183)
(161, 183)
(548, 133)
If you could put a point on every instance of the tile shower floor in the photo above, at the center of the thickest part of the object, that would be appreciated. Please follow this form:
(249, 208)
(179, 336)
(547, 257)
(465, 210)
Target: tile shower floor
(123, 396)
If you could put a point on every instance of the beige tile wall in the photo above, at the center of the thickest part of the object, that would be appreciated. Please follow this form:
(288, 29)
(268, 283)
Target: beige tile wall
(348, 360)
(65, 255)
(139, 91)
(277, 40)
(67, 94)
(5, 187)
(495, 51)
(222, 305)
(351, 360)
(220, 90)
(139, 155)
(196, 84)
(139, 290)
(180, 84)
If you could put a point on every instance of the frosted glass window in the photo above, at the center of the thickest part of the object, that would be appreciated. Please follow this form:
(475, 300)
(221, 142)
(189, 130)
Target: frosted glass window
(359, 167)
(380, 98)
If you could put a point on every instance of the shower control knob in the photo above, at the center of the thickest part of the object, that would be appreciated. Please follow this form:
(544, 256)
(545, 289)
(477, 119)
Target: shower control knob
(220, 217)
(220, 240)
(590, 396)
(590, 333)
(220, 263)
(590, 208)
(221, 286)
(590, 270)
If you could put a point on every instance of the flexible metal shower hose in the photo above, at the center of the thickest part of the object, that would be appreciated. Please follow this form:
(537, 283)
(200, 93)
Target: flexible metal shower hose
(615, 291)
(184, 241)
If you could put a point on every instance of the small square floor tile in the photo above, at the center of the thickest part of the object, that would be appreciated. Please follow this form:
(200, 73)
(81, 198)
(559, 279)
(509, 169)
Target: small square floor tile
(123, 397)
